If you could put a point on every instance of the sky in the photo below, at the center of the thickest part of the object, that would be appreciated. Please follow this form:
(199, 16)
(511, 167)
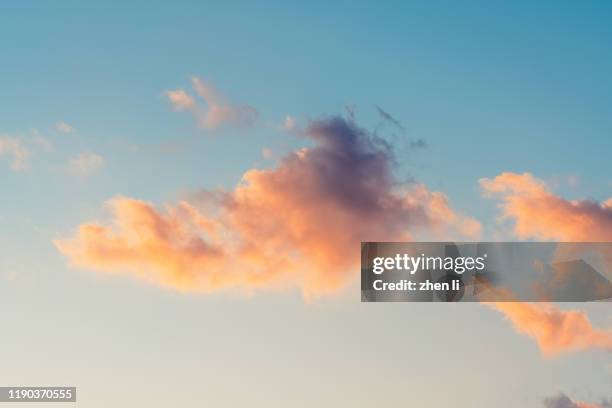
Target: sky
(187, 184)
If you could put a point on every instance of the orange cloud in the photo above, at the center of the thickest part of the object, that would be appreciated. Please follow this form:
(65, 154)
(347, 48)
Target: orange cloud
(298, 225)
(555, 331)
(163, 246)
(540, 214)
(181, 100)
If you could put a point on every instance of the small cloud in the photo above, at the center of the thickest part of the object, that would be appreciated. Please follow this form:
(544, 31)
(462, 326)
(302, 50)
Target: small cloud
(85, 164)
(385, 116)
(15, 148)
(218, 111)
(64, 127)
(289, 123)
(563, 180)
(266, 153)
(180, 100)
(418, 144)
(350, 112)
(40, 141)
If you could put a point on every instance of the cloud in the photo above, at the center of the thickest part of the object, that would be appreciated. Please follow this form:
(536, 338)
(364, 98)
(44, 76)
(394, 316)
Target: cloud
(540, 214)
(388, 118)
(418, 144)
(298, 225)
(555, 331)
(563, 401)
(64, 127)
(267, 153)
(288, 124)
(218, 110)
(181, 100)
(16, 149)
(84, 164)
(41, 143)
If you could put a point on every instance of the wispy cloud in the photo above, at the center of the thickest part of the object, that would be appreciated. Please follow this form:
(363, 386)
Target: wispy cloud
(218, 110)
(267, 153)
(288, 124)
(16, 149)
(418, 144)
(387, 117)
(84, 164)
(64, 127)
(295, 226)
(555, 331)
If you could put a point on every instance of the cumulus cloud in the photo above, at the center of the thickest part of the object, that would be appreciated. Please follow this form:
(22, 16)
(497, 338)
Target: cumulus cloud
(218, 110)
(16, 149)
(84, 164)
(540, 214)
(298, 225)
(563, 401)
(64, 127)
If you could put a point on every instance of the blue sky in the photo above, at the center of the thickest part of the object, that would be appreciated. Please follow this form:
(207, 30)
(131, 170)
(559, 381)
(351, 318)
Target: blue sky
(513, 86)
(490, 86)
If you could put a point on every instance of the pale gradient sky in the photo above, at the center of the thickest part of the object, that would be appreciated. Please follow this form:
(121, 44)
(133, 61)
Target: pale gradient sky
(490, 86)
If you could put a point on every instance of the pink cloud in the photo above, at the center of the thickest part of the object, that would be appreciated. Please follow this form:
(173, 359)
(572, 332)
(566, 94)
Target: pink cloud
(540, 214)
(181, 100)
(298, 225)
(555, 331)
(218, 110)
